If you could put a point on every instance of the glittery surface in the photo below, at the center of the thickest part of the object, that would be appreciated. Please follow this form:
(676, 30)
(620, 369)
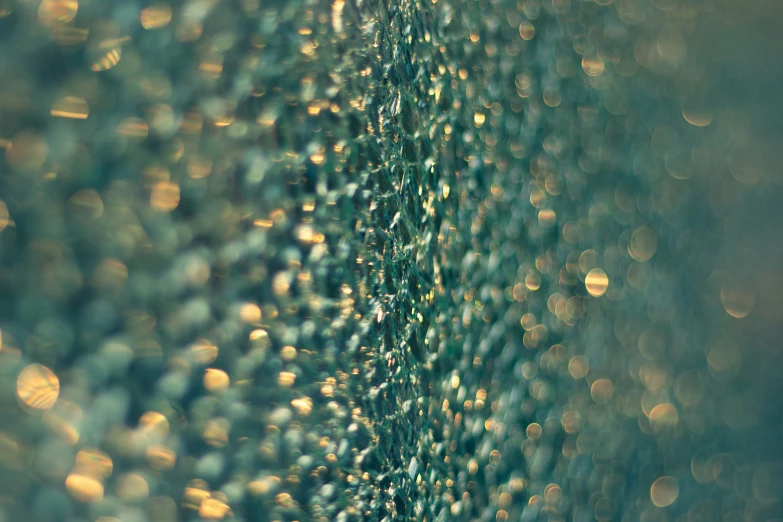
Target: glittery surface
(390, 260)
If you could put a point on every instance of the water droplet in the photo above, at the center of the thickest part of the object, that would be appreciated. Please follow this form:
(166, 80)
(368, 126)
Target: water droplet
(216, 381)
(37, 387)
(533, 431)
(160, 458)
(132, 488)
(663, 417)
(592, 66)
(133, 128)
(643, 244)
(164, 196)
(5, 218)
(52, 12)
(527, 31)
(91, 462)
(737, 300)
(602, 391)
(155, 16)
(697, 118)
(213, 509)
(84, 488)
(596, 282)
(664, 491)
(108, 55)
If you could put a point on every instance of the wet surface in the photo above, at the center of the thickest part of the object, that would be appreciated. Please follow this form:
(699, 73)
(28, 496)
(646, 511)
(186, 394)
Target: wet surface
(390, 261)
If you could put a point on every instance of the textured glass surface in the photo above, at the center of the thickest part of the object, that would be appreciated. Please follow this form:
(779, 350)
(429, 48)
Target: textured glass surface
(268, 260)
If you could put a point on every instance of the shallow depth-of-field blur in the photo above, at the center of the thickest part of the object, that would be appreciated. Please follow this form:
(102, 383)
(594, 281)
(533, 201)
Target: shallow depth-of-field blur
(480, 260)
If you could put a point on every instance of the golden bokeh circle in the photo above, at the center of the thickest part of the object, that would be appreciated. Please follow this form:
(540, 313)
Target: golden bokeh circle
(596, 282)
(37, 387)
(664, 491)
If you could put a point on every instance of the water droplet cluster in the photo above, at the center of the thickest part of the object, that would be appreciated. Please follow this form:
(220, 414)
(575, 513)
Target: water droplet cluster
(366, 260)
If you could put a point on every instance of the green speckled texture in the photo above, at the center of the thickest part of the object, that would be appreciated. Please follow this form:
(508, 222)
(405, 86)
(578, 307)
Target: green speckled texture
(390, 260)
